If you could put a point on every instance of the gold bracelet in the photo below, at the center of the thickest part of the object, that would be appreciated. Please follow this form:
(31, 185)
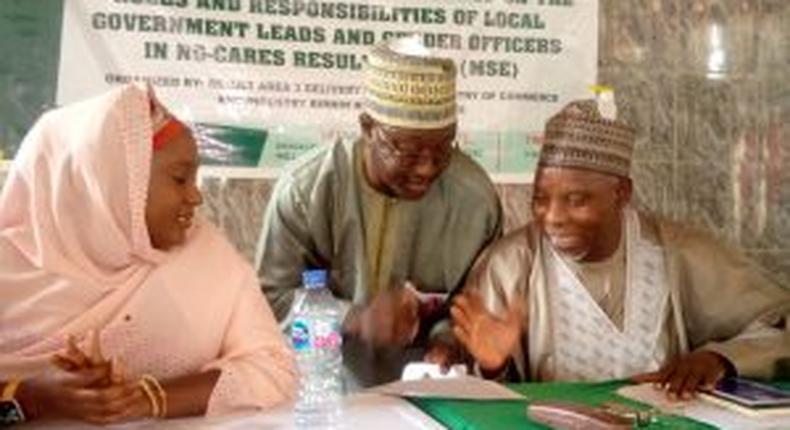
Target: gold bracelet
(9, 395)
(149, 392)
(9, 390)
(160, 391)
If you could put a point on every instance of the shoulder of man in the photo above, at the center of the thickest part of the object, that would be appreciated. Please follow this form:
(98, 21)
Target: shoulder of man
(319, 167)
(702, 252)
(669, 232)
(467, 177)
(518, 244)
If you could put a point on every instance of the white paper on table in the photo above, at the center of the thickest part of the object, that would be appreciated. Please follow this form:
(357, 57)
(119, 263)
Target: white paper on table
(701, 410)
(422, 370)
(465, 387)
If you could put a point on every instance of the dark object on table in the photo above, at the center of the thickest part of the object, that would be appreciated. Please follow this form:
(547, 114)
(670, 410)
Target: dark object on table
(751, 393)
(574, 416)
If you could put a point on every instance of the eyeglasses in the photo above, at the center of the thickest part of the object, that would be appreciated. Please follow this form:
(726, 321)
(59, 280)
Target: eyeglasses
(410, 159)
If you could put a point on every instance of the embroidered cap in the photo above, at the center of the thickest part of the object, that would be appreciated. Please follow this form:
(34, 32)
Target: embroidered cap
(580, 136)
(405, 86)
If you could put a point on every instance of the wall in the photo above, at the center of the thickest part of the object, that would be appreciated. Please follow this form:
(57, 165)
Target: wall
(711, 108)
(704, 82)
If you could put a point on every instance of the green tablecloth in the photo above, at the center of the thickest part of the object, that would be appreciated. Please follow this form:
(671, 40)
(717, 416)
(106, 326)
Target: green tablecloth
(495, 415)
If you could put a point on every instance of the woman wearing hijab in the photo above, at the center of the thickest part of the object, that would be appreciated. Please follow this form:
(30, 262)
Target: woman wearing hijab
(102, 255)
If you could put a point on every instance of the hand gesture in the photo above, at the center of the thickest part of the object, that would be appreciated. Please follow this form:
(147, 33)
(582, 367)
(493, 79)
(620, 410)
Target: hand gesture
(683, 377)
(391, 318)
(488, 338)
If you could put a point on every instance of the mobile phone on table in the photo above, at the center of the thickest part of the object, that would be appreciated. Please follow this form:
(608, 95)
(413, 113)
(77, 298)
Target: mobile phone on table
(750, 393)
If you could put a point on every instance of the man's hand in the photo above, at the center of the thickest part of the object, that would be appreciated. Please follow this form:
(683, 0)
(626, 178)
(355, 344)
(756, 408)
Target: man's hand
(683, 377)
(488, 338)
(392, 318)
(444, 351)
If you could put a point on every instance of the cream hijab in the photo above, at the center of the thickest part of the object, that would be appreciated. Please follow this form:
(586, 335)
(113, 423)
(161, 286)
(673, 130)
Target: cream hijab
(73, 236)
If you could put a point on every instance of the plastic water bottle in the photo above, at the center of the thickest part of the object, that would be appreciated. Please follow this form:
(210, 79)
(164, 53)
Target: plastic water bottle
(317, 340)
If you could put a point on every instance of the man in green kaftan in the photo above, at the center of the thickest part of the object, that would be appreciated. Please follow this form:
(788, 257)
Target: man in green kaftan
(394, 216)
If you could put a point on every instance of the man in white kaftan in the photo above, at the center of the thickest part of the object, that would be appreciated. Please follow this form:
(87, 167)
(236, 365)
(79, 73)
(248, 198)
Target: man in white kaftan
(593, 289)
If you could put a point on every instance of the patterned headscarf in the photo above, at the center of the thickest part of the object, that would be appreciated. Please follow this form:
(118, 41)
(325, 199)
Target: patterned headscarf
(580, 137)
(406, 87)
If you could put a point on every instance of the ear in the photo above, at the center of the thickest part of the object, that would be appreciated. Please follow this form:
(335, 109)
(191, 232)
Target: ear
(366, 124)
(625, 189)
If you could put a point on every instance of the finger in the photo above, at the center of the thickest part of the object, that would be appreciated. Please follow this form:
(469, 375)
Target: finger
(411, 290)
(63, 362)
(79, 402)
(459, 317)
(408, 310)
(137, 408)
(126, 413)
(117, 371)
(667, 373)
(462, 305)
(461, 301)
(677, 380)
(107, 400)
(462, 336)
(437, 355)
(96, 356)
(433, 356)
(406, 330)
(643, 378)
(121, 398)
(409, 301)
(88, 377)
(75, 353)
(414, 330)
(414, 308)
(475, 300)
(711, 378)
(690, 385)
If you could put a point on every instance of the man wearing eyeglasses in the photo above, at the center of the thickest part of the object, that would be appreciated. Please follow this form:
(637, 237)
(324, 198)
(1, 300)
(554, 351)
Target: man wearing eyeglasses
(397, 216)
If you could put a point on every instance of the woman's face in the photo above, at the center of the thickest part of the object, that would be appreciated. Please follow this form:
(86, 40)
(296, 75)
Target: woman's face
(173, 194)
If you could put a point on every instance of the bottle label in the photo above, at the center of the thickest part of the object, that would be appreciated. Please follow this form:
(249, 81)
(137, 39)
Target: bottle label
(306, 334)
(300, 335)
(328, 336)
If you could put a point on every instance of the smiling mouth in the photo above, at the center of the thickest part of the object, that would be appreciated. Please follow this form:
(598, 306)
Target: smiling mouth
(564, 241)
(185, 221)
(418, 185)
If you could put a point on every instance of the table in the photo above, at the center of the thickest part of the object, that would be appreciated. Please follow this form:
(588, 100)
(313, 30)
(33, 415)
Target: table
(360, 411)
(379, 412)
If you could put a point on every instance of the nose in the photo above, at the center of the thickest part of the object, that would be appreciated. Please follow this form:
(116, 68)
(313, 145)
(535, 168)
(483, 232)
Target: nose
(194, 196)
(427, 168)
(554, 213)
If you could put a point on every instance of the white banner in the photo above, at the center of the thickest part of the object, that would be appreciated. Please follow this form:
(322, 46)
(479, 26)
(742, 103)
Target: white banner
(292, 68)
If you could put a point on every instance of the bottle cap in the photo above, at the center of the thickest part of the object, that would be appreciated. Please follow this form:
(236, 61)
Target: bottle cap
(314, 278)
